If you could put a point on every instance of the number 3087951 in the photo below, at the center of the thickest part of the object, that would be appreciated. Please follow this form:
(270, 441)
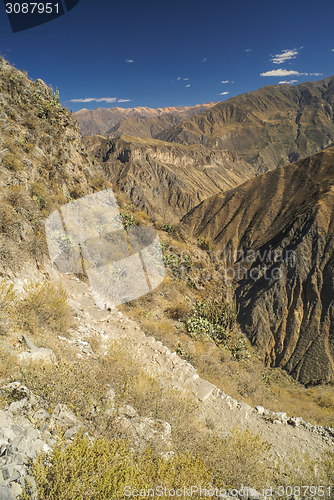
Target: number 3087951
(31, 8)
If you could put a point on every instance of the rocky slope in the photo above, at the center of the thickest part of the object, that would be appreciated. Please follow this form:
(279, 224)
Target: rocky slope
(42, 165)
(278, 234)
(107, 121)
(268, 127)
(166, 179)
(29, 424)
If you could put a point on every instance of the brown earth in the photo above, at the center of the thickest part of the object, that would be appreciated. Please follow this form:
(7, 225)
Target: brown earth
(278, 234)
(268, 127)
(164, 179)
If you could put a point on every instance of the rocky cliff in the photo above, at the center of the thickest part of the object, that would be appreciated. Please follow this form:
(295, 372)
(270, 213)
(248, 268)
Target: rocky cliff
(276, 233)
(163, 178)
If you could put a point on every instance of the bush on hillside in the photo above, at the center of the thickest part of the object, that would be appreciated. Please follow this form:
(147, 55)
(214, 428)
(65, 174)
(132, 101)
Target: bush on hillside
(43, 307)
(102, 469)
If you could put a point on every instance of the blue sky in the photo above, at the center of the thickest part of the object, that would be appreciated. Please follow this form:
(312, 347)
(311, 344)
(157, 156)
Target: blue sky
(174, 53)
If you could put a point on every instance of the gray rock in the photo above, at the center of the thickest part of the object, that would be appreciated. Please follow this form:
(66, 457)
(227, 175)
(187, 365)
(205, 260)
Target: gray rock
(143, 431)
(35, 353)
(15, 490)
(63, 417)
(259, 409)
(5, 493)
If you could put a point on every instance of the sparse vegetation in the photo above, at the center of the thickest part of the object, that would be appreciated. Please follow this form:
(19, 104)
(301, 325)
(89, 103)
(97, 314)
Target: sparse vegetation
(169, 228)
(214, 318)
(103, 469)
(127, 219)
(41, 307)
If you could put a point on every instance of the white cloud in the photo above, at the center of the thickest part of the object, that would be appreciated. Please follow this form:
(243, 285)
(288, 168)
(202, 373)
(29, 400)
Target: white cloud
(225, 81)
(290, 82)
(179, 77)
(91, 99)
(204, 60)
(286, 55)
(316, 74)
(185, 78)
(282, 72)
(188, 85)
(223, 93)
(332, 50)
(99, 99)
(248, 50)
(129, 60)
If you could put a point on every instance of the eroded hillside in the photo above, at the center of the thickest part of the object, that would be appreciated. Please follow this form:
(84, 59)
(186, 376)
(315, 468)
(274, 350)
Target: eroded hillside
(268, 127)
(278, 234)
(163, 179)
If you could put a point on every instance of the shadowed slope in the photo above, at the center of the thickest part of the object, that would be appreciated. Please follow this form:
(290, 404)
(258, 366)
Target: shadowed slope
(278, 229)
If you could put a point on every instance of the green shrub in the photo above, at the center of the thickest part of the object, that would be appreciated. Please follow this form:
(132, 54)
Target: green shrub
(127, 219)
(215, 319)
(169, 228)
(102, 469)
(239, 351)
(204, 244)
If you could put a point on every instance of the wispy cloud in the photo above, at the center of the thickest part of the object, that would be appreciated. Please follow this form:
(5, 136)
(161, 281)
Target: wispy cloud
(282, 72)
(204, 60)
(185, 78)
(316, 74)
(188, 85)
(225, 81)
(223, 93)
(129, 60)
(100, 99)
(290, 82)
(332, 50)
(179, 78)
(248, 50)
(285, 55)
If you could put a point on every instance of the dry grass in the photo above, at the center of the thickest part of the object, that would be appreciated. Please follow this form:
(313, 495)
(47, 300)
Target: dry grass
(41, 308)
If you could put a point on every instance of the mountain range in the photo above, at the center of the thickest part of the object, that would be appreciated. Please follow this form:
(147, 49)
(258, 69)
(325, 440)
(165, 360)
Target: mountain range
(139, 120)
(268, 127)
